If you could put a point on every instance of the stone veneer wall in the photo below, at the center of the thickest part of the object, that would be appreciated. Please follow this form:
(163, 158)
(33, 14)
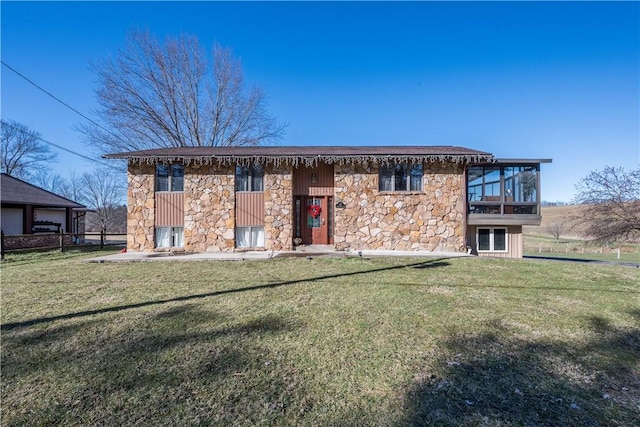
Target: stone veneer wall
(431, 220)
(140, 207)
(209, 200)
(278, 208)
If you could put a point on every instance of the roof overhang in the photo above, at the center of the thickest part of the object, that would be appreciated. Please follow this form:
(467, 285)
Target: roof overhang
(306, 155)
(521, 161)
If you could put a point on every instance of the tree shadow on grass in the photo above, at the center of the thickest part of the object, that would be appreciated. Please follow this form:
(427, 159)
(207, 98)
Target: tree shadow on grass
(498, 379)
(183, 365)
(12, 325)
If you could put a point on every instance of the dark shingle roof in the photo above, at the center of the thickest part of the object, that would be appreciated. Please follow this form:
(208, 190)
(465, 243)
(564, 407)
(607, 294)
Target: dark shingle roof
(16, 191)
(306, 154)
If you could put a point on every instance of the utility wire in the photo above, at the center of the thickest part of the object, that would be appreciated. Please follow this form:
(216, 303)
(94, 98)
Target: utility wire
(58, 99)
(91, 159)
(69, 107)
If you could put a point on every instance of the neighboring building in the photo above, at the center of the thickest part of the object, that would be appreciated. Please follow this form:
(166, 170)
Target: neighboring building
(30, 210)
(432, 198)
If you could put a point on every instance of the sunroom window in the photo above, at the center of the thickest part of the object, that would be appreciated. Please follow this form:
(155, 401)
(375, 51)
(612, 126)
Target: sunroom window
(400, 177)
(508, 189)
(169, 177)
(520, 184)
(249, 178)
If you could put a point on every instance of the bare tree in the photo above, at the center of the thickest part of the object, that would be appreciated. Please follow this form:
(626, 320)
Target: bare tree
(23, 153)
(612, 197)
(102, 191)
(556, 229)
(155, 95)
(72, 188)
(47, 180)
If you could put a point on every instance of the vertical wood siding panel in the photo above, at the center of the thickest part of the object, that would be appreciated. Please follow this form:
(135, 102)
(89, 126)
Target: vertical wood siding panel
(515, 241)
(169, 209)
(302, 185)
(249, 209)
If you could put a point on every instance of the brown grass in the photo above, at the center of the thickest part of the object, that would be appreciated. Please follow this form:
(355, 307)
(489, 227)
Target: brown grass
(557, 215)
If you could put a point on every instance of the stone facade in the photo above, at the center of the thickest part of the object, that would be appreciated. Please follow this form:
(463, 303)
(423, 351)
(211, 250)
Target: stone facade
(278, 207)
(209, 215)
(140, 208)
(431, 220)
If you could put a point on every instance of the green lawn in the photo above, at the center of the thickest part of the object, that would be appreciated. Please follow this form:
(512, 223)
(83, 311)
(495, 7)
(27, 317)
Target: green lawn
(326, 341)
(547, 246)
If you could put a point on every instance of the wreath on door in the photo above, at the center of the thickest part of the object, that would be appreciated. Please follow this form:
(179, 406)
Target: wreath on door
(314, 210)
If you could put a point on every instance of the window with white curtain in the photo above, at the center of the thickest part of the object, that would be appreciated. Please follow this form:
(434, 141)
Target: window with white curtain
(249, 237)
(169, 237)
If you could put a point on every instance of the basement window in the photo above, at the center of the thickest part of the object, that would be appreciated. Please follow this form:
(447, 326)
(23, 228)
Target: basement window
(250, 237)
(491, 239)
(169, 237)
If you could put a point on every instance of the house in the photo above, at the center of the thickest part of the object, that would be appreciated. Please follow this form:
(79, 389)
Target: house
(427, 198)
(36, 214)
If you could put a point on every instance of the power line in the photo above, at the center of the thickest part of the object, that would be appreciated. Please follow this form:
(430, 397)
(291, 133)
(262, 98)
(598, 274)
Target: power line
(69, 107)
(57, 99)
(91, 159)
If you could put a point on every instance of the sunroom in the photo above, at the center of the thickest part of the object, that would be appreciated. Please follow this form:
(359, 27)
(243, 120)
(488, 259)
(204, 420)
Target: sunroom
(502, 196)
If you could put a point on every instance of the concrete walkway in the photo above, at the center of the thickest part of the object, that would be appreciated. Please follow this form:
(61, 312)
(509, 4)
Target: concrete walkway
(306, 252)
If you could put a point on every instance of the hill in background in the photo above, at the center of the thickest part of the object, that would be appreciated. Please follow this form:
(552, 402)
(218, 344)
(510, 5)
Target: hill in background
(557, 215)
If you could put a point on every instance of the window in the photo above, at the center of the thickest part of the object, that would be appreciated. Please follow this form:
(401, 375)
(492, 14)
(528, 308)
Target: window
(520, 183)
(484, 183)
(169, 178)
(249, 178)
(400, 177)
(508, 189)
(250, 237)
(492, 239)
(169, 237)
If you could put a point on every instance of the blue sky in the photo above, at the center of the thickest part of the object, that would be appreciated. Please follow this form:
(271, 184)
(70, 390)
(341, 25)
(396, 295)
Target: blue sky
(554, 80)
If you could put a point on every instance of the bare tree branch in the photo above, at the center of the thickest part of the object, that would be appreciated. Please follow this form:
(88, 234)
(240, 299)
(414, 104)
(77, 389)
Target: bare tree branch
(155, 95)
(72, 188)
(23, 154)
(43, 178)
(102, 191)
(613, 199)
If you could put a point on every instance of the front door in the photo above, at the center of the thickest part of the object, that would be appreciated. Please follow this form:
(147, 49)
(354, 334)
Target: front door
(316, 220)
(316, 212)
